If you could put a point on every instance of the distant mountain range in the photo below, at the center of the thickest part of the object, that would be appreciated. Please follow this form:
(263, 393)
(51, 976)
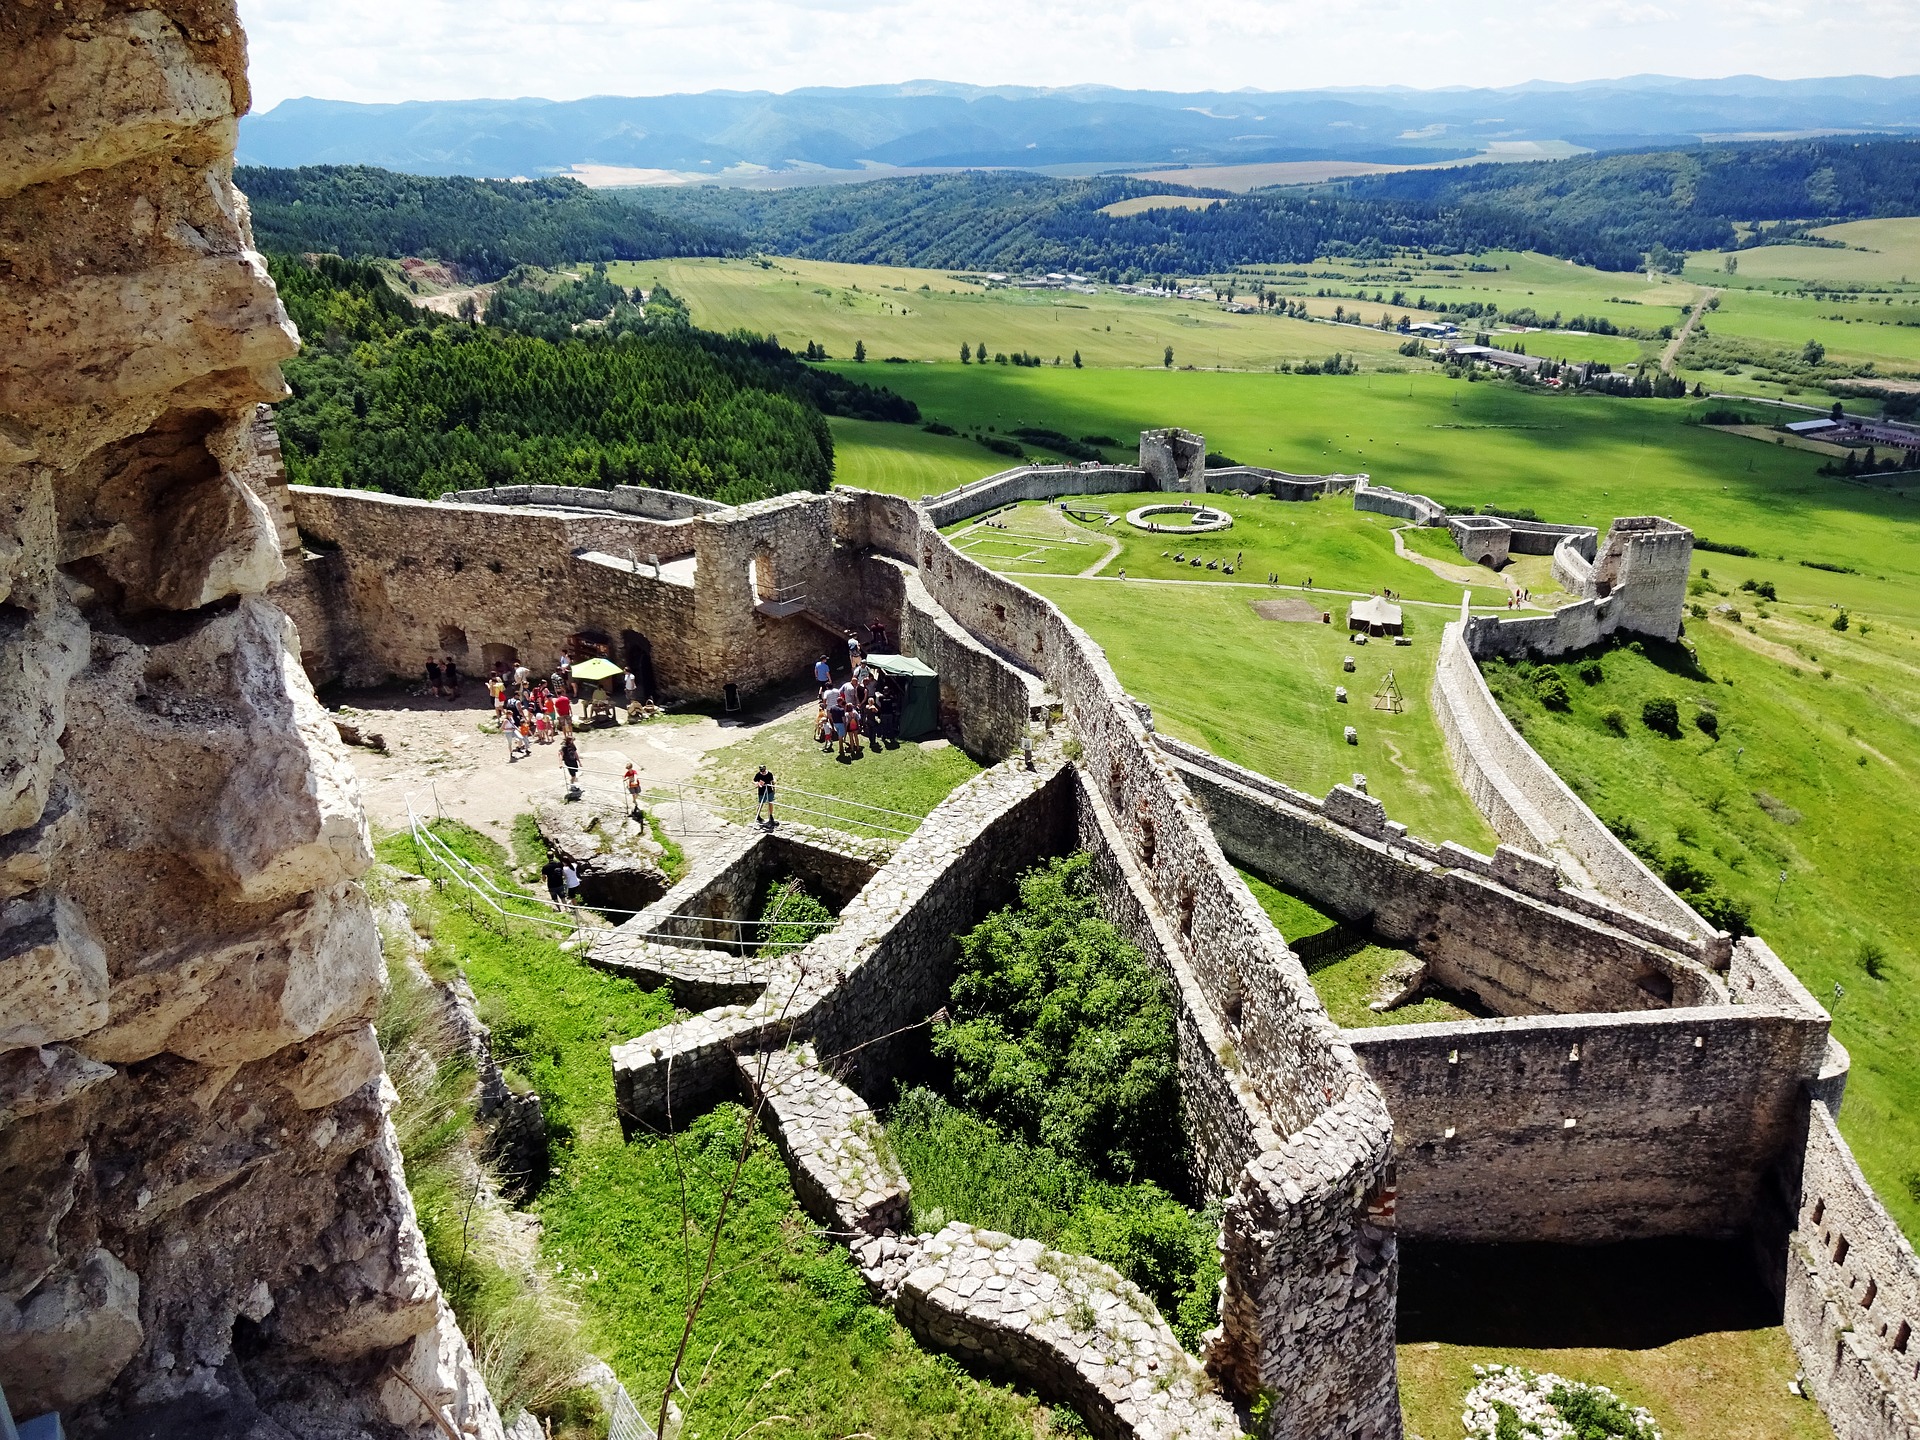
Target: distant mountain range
(935, 125)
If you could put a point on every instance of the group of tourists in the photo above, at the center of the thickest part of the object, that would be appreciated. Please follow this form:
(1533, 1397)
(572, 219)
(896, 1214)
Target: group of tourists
(862, 708)
(537, 710)
(443, 678)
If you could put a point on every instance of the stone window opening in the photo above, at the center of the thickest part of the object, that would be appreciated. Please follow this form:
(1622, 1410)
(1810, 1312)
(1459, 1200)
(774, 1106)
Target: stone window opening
(762, 578)
(1819, 1210)
(499, 657)
(1902, 1336)
(1840, 1248)
(453, 640)
(1873, 1293)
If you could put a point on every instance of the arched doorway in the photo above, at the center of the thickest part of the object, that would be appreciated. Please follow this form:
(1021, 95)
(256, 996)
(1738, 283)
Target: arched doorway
(636, 652)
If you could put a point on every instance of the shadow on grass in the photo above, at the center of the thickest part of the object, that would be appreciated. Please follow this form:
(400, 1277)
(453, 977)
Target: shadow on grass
(1635, 1295)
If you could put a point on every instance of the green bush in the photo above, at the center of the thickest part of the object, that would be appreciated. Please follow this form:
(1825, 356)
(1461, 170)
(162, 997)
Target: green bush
(1593, 672)
(1661, 714)
(1840, 621)
(1063, 1033)
(1550, 690)
(1708, 723)
(790, 918)
(963, 1167)
(1615, 722)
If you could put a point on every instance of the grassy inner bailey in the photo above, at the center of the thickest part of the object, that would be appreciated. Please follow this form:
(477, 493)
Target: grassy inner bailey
(787, 1328)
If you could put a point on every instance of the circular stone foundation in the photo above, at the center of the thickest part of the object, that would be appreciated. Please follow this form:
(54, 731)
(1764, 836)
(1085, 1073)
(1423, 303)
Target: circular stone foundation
(1205, 518)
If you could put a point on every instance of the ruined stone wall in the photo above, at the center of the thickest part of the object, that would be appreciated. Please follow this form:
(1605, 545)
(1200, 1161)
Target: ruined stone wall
(1381, 501)
(1320, 1198)
(1034, 482)
(1591, 1128)
(1530, 806)
(398, 575)
(641, 501)
(1482, 540)
(1175, 459)
(1280, 484)
(1852, 1293)
(1635, 584)
(1521, 954)
(205, 1213)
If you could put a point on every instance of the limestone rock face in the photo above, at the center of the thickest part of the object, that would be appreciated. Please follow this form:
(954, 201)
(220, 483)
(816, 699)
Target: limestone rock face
(204, 1223)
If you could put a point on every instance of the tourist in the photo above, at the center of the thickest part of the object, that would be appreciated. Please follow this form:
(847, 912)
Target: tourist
(521, 675)
(569, 882)
(822, 673)
(853, 732)
(433, 675)
(632, 781)
(554, 873)
(763, 796)
(853, 647)
(563, 712)
(542, 726)
(570, 761)
(878, 630)
(450, 677)
(630, 685)
(497, 693)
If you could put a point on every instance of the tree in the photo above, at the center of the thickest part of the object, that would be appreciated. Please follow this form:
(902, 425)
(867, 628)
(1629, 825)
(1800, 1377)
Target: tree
(1732, 266)
(966, 353)
(1836, 414)
(1167, 359)
(1076, 359)
(1812, 353)
(981, 351)
(860, 351)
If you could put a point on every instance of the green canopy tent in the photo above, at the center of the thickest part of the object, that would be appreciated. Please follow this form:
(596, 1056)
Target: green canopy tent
(920, 708)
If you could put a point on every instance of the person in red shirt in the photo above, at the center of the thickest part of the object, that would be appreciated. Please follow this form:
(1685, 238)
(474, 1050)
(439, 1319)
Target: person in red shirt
(563, 712)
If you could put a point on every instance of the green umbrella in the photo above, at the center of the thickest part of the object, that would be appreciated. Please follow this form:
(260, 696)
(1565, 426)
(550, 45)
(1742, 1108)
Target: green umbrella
(595, 669)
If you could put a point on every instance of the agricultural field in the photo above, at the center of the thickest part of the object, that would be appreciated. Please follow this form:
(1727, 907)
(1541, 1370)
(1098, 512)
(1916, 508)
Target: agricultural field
(1878, 254)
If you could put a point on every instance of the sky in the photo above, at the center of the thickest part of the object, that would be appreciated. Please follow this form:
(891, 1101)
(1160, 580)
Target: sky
(389, 50)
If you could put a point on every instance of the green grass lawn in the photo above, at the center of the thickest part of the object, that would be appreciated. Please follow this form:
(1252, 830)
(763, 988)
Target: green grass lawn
(1812, 777)
(1574, 459)
(787, 1329)
(1878, 253)
(1724, 1385)
(881, 795)
(1261, 693)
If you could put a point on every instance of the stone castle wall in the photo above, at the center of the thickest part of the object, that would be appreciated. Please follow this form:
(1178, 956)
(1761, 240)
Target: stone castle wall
(1174, 459)
(1530, 806)
(1381, 501)
(207, 1228)
(1851, 1291)
(643, 502)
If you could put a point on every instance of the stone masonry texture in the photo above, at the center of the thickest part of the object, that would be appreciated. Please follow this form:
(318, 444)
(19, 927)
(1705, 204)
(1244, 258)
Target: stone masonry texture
(204, 1209)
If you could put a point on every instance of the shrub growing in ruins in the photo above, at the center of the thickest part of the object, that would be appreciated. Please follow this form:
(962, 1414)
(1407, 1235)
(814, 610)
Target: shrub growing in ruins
(1550, 689)
(1063, 1033)
(1661, 714)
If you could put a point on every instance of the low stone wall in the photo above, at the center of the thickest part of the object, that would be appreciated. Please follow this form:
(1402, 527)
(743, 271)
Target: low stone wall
(1591, 1128)
(886, 967)
(640, 501)
(842, 1172)
(1520, 953)
(1070, 1326)
(699, 938)
(1382, 501)
(1034, 482)
(1280, 484)
(1530, 806)
(1852, 1295)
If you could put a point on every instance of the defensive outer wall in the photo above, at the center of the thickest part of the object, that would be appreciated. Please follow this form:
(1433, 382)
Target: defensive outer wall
(1641, 1074)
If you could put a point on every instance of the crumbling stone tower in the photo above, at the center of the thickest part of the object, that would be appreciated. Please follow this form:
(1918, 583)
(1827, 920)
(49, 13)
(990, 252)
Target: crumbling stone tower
(1174, 459)
(202, 1215)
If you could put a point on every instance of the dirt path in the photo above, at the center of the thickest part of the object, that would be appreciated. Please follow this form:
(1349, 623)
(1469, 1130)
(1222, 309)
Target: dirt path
(1673, 346)
(439, 760)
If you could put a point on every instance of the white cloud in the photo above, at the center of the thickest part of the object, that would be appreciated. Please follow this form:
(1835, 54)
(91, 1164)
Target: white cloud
(387, 50)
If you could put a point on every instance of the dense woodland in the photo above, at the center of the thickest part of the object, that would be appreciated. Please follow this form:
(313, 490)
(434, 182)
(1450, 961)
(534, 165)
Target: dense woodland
(484, 227)
(411, 403)
(1610, 211)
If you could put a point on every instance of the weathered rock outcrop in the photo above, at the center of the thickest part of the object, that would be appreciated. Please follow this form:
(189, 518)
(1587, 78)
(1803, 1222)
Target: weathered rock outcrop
(204, 1227)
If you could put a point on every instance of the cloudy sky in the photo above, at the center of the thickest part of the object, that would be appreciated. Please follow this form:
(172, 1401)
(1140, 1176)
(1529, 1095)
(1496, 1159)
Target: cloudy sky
(383, 50)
